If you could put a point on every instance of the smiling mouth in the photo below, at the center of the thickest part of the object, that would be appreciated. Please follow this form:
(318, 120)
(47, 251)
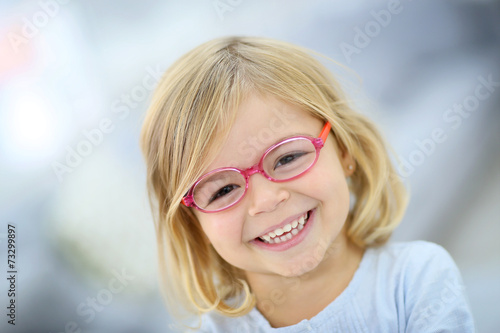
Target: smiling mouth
(287, 232)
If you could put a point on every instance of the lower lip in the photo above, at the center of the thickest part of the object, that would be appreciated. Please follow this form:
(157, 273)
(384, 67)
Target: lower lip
(283, 246)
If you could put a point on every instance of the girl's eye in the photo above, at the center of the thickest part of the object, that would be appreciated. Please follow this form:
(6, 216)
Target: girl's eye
(222, 192)
(289, 158)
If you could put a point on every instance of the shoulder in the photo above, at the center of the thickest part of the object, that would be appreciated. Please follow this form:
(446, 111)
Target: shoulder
(421, 261)
(411, 250)
(416, 266)
(409, 260)
(428, 287)
(405, 267)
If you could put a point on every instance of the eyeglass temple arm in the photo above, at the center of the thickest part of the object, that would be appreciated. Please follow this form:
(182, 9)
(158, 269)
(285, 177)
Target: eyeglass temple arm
(325, 131)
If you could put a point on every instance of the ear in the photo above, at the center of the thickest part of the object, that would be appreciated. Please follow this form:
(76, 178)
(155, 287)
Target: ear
(348, 163)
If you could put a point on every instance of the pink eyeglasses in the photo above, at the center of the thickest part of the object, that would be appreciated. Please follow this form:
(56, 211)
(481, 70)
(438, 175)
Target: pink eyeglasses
(222, 188)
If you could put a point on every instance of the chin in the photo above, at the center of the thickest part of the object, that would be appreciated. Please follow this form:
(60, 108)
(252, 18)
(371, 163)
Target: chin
(301, 266)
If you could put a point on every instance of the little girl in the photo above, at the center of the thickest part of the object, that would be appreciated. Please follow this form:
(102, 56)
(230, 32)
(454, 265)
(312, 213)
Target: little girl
(274, 202)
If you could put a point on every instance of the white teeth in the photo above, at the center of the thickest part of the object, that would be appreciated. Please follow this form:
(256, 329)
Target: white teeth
(286, 232)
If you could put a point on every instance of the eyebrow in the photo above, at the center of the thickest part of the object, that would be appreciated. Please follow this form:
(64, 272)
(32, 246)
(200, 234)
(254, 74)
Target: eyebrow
(215, 176)
(260, 153)
(292, 135)
(288, 137)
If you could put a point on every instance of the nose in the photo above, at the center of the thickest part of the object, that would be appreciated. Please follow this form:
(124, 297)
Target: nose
(265, 195)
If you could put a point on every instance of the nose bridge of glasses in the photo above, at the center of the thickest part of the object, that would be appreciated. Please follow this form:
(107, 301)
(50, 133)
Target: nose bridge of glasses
(253, 170)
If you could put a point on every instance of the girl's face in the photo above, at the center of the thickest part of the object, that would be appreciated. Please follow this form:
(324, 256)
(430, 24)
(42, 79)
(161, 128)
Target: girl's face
(320, 195)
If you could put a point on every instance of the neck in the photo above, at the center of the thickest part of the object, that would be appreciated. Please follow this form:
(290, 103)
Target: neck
(285, 301)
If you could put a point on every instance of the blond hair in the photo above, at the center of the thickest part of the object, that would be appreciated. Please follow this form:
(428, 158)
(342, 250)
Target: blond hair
(191, 114)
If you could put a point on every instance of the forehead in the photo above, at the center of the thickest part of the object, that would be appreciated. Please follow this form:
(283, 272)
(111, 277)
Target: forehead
(260, 122)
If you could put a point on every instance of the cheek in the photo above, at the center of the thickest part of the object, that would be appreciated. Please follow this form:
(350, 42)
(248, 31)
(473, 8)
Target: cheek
(225, 235)
(221, 229)
(329, 184)
(332, 190)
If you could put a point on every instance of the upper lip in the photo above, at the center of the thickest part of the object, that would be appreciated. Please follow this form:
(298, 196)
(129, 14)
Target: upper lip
(282, 224)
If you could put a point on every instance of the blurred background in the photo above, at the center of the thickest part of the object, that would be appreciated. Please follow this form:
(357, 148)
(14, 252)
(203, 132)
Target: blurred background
(75, 81)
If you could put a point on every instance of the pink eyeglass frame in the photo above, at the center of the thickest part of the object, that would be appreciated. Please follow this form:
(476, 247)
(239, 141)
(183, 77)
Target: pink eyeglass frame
(318, 143)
